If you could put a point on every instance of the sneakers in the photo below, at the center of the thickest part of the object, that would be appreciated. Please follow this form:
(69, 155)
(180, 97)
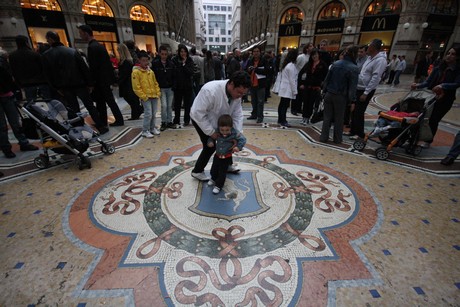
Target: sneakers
(216, 190)
(147, 134)
(285, 125)
(233, 169)
(305, 121)
(28, 147)
(163, 127)
(155, 131)
(200, 176)
(425, 145)
(211, 182)
(171, 125)
(446, 161)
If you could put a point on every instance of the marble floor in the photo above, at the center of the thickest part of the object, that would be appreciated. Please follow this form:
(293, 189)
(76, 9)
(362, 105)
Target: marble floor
(303, 223)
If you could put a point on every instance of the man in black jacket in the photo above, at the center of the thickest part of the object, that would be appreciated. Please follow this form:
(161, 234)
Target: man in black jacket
(27, 69)
(69, 75)
(103, 75)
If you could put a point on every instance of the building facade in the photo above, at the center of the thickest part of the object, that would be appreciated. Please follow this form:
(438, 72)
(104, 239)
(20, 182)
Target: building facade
(218, 16)
(406, 27)
(148, 23)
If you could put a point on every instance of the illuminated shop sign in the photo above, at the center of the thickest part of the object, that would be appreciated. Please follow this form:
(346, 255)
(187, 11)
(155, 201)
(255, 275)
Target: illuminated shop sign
(329, 26)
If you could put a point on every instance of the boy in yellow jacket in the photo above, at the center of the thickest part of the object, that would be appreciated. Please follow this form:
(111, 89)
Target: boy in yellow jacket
(146, 87)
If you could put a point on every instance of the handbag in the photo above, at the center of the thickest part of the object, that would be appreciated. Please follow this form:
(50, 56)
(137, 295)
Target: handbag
(318, 112)
(277, 85)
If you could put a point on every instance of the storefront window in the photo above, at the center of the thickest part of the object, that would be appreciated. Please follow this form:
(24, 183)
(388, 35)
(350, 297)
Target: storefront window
(141, 13)
(445, 7)
(292, 15)
(96, 7)
(333, 10)
(380, 7)
(41, 5)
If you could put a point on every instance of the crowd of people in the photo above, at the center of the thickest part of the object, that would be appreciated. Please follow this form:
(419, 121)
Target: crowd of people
(178, 81)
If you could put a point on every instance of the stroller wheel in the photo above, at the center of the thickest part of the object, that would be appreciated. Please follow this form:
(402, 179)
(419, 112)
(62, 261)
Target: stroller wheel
(108, 149)
(82, 162)
(359, 145)
(42, 162)
(381, 153)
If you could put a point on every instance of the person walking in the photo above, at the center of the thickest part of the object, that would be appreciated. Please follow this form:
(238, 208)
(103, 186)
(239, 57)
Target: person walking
(8, 110)
(444, 81)
(315, 71)
(394, 62)
(164, 72)
(215, 99)
(340, 88)
(103, 75)
(369, 79)
(68, 75)
(400, 69)
(125, 86)
(27, 69)
(258, 70)
(182, 87)
(288, 86)
(147, 89)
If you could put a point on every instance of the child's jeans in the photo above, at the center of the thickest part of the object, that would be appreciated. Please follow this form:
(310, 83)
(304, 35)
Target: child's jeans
(150, 111)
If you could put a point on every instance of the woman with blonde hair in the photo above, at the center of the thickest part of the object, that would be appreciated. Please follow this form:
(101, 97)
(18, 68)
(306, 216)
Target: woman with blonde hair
(125, 87)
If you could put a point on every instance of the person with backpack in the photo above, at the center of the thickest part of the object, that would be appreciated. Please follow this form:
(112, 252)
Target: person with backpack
(209, 72)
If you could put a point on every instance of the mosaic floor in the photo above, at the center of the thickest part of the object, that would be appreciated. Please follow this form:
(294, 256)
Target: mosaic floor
(302, 224)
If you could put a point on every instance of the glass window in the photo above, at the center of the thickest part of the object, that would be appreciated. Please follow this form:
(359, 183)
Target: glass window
(446, 7)
(380, 7)
(224, 40)
(292, 15)
(141, 13)
(333, 10)
(96, 7)
(230, 17)
(41, 5)
(229, 32)
(209, 7)
(211, 31)
(216, 8)
(223, 8)
(222, 31)
(211, 39)
(229, 8)
(217, 40)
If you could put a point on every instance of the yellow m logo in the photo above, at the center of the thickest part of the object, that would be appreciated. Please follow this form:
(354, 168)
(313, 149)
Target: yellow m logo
(379, 22)
(289, 30)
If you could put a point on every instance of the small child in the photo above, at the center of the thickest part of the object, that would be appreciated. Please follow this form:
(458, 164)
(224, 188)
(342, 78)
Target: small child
(382, 125)
(146, 87)
(229, 141)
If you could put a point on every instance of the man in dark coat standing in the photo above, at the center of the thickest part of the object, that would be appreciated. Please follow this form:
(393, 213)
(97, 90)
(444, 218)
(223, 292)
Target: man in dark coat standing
(104, 76)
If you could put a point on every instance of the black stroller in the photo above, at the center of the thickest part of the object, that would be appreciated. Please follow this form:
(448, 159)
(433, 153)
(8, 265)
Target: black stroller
(402, 131)
(60, 134)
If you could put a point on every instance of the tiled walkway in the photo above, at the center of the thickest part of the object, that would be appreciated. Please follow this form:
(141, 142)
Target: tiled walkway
(303, 224)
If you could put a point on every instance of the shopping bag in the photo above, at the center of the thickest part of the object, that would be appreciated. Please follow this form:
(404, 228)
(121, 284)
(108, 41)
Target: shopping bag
(318, 113)
(276, 86)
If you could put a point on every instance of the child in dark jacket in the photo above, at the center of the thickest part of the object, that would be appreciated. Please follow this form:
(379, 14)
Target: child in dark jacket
(228, 142)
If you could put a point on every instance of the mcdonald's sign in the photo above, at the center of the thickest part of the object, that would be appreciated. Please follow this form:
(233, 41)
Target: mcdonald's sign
(380, 23)
(290, 29)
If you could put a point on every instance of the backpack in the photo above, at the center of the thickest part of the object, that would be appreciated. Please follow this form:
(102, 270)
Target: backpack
(209, 73)
(196, 72)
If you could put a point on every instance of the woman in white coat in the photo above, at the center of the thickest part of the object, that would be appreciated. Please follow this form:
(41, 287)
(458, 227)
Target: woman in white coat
(288, 86)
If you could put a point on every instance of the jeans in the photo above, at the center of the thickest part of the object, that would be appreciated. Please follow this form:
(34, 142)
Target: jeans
(397, 74)
(334, 110)
(454, 151)
(357, 117)
(186, 95)
(167, 97)
(150, 111)
(9, 110)
(219, 170)
(257, 101)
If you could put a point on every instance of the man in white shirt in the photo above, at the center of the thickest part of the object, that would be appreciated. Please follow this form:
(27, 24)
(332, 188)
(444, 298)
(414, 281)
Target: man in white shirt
(215, 99)
(400, 69)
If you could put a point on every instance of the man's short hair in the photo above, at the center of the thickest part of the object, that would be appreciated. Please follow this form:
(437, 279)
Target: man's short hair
(163, 47)
(86, 29)
(240, 78)
(377, 43)
(22, 41)
(53, 35)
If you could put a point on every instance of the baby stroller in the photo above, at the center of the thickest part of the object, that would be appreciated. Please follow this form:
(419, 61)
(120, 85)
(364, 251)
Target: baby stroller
(401, 126)
(60, 134)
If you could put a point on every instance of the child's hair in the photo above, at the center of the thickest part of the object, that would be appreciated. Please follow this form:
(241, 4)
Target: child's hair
(225, 121)
(143, 54)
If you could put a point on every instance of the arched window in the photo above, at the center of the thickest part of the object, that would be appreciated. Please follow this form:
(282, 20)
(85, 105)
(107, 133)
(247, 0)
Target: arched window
(381, 7)
(444, 7)
(333, 10)
(96, 7)
(292, 15)
(52, 5)
(141, 13)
